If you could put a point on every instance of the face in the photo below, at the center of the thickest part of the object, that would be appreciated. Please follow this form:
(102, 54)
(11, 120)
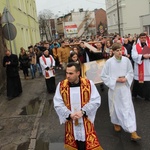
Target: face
(75, 49)
(46, 53)
(130, 38)
(82, 45)
(62, 44)
(31, 50)
(118, 53)
(74, 57)
(126, 41)
(108, 43)
(142, 39)
(99, 45)
(23, 51)
(8, 53)
(72, 75)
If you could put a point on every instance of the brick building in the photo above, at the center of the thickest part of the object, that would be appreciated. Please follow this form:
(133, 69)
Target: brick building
(101, 21)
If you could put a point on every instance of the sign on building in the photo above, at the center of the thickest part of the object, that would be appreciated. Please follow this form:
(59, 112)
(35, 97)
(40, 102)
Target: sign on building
(71, 29)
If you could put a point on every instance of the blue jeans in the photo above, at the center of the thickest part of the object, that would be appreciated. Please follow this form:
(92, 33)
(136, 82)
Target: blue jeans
(33, 70)
(39, 68)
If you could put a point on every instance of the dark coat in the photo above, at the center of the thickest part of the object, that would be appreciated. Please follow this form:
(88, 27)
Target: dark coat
(12, 69)
(14, 87)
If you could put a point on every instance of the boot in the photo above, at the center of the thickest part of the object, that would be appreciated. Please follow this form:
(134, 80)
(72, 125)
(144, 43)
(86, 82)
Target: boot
(135, 137)
(117, 128)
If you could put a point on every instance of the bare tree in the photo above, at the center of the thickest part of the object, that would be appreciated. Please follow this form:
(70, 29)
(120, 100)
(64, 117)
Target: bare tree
(44, 24)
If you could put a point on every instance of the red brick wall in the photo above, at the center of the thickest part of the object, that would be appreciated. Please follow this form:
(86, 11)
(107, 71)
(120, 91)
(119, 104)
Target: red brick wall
(100, 16)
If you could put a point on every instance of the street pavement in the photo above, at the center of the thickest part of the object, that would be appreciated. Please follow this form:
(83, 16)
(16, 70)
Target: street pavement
(30, 121)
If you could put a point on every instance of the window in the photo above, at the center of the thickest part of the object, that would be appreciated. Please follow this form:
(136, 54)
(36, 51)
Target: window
(114, 18)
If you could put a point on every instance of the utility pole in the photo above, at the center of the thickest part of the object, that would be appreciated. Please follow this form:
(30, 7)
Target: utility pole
(118, 18)
(64, 26)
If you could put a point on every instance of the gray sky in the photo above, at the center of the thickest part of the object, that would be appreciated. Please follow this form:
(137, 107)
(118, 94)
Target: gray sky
(60, 7)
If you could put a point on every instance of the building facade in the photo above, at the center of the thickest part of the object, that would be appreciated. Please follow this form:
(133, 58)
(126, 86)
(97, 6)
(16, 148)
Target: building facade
(101, 21)
(77, 24)
(124, 15)
(145, 23)
(26, 23)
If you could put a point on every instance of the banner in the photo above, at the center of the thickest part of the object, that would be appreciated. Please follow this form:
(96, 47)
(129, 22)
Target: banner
(71, 29)
(92, 70)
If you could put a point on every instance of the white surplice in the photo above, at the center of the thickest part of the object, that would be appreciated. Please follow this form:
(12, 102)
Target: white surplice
(119, 95)
(137, 58)
(75, 100)
(50, 62)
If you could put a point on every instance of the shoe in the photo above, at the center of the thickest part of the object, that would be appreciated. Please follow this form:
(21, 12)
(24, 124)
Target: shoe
(117, 128)
(135, 137)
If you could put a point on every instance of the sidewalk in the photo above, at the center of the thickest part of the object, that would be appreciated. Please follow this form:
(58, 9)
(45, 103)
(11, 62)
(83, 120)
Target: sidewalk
(17, 128)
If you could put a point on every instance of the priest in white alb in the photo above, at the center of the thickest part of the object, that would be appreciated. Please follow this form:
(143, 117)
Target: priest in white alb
(76, 101)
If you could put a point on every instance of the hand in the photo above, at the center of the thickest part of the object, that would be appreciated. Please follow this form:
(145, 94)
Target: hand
(7, 63)
(146, 56)
(76, 115)
(128, 55)
(121, 79)
(47, 68)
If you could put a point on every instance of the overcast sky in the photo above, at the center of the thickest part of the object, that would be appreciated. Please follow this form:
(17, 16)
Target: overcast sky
(60, 7)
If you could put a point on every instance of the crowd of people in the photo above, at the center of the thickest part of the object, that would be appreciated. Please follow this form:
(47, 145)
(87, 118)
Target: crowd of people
(126, 60)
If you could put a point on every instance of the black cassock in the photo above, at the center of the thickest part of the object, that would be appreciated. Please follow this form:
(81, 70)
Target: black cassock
(50, 84)
(14, 87)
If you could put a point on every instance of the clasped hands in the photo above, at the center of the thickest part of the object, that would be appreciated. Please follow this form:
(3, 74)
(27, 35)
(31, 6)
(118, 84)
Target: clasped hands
(7, 63)
(49, 68)
(76, 115)
(121, 79)
(146, 56)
